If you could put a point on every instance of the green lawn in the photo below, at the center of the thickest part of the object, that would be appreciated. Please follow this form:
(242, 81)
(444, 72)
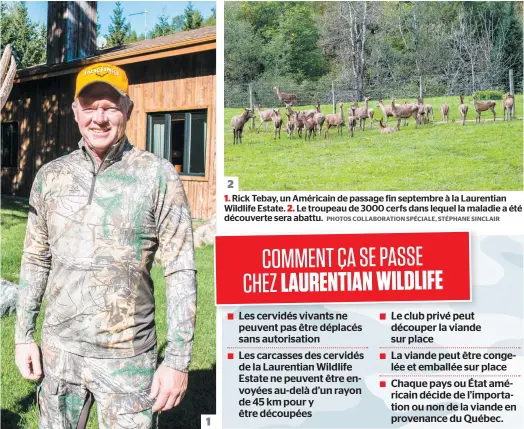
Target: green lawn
(435, 157)
(17, 403)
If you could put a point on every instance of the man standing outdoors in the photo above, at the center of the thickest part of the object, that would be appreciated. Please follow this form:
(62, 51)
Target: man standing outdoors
(97, 217)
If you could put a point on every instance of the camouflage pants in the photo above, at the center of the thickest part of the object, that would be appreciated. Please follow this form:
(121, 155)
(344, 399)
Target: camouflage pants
(120, 388)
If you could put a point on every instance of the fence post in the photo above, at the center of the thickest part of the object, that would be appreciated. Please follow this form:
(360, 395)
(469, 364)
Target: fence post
(420, 88)
(512, 92)
(333, 94)
(251, 104)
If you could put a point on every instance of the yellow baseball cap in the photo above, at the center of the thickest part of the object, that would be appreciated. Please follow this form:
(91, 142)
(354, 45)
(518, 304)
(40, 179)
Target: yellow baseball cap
(105, 73)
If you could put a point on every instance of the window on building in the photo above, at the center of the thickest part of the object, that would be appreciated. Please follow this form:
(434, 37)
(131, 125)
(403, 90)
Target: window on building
(181, 138)
(10, 144)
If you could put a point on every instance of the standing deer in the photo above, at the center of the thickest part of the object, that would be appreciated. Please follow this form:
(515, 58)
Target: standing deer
(482, 106)
(362, 113)
(312, 112)
(277, 123)
(463, 110)
(309, 125)
(264, 116)
(290, 126)
(425, 111)
(299, 124)
(508, 105)
(385, 129)
(335, 120)
(285, 97)
(319, 119)
(386, 110)
(352, 121)
(238, 122)
(444, 112)
(428, 109)
(406, 111)
(371, 113)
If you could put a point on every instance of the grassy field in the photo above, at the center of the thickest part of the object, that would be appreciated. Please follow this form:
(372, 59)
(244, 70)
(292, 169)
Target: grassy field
(435, 157)
(17, 401)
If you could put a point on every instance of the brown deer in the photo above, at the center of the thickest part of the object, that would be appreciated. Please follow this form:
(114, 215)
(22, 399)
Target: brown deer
(290, 126)
(482, 106)
(7, 75)
(264, 116)
(299, 124)
(371, 113)
(425, 111)
(309, 125)
(277, 123)
(319, 119)
(385, 129)
(428, 111)
(362, 113)
(405, 111)
(386, 110)
(444, 112)
(335, 120)
(463, 110)
(508, 104)
(285, 97)
(312, 112)
(238, 122)
(352, 121)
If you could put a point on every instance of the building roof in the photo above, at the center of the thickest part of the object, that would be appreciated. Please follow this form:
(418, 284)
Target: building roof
(183, 42)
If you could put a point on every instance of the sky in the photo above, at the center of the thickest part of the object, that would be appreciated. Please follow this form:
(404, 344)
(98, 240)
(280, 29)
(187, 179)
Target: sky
(38, 11)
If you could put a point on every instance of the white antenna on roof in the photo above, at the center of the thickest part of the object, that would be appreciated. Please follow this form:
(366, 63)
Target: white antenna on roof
(101, 42)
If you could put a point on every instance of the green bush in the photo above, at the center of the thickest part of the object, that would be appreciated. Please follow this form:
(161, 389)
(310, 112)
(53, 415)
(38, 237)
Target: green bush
(490, 94)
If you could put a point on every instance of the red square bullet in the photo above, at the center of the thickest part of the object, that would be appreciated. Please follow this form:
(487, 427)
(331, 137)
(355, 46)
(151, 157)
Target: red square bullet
(382, 384)
(230, 316)
(382, 355)
(382, 316)
(230, 355)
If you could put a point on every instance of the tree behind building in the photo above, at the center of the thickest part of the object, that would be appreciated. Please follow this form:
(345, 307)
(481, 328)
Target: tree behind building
(119, 30)
(27, 39)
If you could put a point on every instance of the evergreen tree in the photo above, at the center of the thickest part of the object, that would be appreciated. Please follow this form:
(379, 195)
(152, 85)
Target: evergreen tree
(177, 23)
(119, 29)
(193, 18)
(27, 39)
(212, 19)
(133, 37)
(162, 27)
(7, 33)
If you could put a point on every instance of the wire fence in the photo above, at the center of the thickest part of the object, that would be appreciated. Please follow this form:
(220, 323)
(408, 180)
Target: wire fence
(324, 92)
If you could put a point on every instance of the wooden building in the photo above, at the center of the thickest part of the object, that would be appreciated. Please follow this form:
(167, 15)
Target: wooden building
(172, 83)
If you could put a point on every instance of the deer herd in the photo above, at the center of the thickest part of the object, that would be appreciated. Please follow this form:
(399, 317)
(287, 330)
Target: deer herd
(312, 122)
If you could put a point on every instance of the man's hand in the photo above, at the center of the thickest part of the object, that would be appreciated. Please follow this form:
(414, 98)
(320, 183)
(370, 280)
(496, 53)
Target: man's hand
(169, 387)
(27, 358)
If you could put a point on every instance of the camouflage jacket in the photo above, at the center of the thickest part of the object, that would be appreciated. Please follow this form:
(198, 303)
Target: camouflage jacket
(91, 239)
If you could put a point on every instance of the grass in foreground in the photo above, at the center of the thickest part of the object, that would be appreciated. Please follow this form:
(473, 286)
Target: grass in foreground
(17, 400)
(435, 157)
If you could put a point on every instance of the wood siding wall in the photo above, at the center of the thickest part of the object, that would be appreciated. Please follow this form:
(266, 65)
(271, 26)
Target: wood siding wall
(48, 130)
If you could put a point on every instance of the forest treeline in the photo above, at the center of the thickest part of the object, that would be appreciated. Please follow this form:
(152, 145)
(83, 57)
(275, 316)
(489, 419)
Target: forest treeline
(456, 47)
